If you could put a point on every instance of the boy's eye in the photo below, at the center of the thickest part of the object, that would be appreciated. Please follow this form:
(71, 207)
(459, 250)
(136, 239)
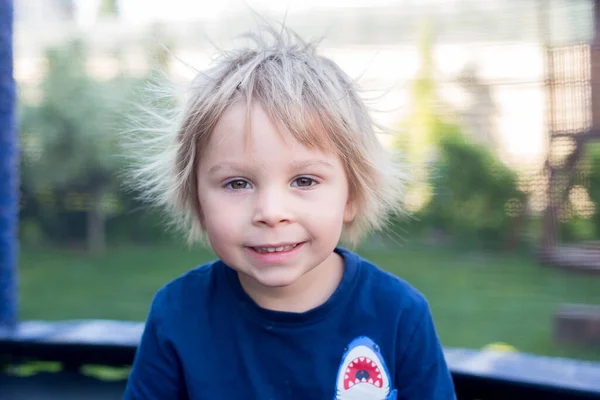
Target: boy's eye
(304, 182)
(238, 184)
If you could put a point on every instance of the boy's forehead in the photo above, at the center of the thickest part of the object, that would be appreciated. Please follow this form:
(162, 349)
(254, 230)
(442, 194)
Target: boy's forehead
(251, 129)
(236, 145)
(230, 124)
(244, 129)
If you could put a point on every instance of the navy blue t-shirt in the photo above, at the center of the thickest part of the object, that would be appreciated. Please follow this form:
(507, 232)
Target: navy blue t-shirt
(206, 339)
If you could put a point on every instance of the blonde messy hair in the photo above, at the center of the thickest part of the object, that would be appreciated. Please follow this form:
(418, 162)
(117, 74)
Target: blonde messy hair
(302, 91)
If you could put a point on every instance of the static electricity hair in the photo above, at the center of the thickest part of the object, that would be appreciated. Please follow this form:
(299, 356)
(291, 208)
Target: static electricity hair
(301, 91)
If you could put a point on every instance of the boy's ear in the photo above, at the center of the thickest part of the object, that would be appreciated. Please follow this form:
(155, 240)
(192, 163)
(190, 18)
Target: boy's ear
(200, 213)
(350, 211)
(201, 219)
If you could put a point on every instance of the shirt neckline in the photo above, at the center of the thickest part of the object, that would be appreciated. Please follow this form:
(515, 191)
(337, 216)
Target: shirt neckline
(272, 317)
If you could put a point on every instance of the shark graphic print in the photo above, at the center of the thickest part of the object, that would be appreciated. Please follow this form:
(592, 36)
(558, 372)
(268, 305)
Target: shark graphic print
(363, 373)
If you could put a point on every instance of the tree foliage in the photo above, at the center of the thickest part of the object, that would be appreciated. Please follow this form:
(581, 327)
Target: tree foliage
(463, 189)
(70, 140)
(476, 196)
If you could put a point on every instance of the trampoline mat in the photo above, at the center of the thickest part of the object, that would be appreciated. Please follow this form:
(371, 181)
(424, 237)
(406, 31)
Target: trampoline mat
(62, 385)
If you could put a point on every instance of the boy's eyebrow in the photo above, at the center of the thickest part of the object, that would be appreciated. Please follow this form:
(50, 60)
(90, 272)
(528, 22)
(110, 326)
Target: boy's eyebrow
(294, 165)
(225, 165)
(310, 163)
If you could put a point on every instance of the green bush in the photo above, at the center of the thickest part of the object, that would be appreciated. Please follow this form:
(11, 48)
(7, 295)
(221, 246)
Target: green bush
(138, 223)
(475, 196)
(577, 229)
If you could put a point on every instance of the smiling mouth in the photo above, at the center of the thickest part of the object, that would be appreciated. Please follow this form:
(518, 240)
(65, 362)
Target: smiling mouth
(278, 249)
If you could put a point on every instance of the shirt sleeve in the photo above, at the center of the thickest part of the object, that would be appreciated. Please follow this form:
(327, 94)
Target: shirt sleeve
(422, 372)
(156, 372)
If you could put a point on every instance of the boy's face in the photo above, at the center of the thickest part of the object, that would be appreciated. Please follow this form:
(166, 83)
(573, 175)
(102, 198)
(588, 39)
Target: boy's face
(272, 208)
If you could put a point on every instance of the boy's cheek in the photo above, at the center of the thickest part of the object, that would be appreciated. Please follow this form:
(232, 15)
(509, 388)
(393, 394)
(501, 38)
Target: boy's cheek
(220, 236)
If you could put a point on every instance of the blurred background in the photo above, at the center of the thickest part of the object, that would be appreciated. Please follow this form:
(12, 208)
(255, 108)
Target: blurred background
(492, 102)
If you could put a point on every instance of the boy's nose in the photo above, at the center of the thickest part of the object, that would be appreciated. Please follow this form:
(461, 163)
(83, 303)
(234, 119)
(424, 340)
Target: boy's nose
(271, 208)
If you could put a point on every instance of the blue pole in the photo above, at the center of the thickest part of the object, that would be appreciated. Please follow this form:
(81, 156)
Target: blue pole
(8, 173)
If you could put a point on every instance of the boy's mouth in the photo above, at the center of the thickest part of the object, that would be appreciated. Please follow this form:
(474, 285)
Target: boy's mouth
(275, 249)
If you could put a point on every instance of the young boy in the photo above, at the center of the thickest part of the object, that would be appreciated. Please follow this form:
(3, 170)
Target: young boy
(273, 160)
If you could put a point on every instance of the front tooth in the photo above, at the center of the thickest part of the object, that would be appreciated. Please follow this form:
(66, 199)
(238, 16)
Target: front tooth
(271, 250)
(280, 248)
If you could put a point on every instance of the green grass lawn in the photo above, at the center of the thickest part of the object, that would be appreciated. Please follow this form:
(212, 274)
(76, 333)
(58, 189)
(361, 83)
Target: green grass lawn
(476, 299)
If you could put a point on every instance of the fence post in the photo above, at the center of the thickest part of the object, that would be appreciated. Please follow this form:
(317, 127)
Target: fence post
(9, 177)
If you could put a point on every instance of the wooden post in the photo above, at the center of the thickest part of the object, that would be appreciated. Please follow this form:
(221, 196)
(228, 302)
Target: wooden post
(549, 221)
(561, 178)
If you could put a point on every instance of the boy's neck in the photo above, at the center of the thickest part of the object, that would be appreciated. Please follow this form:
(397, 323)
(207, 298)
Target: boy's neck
(310, 291)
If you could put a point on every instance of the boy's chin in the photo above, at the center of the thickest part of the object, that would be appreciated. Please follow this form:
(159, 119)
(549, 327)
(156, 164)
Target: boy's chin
(277, 280)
